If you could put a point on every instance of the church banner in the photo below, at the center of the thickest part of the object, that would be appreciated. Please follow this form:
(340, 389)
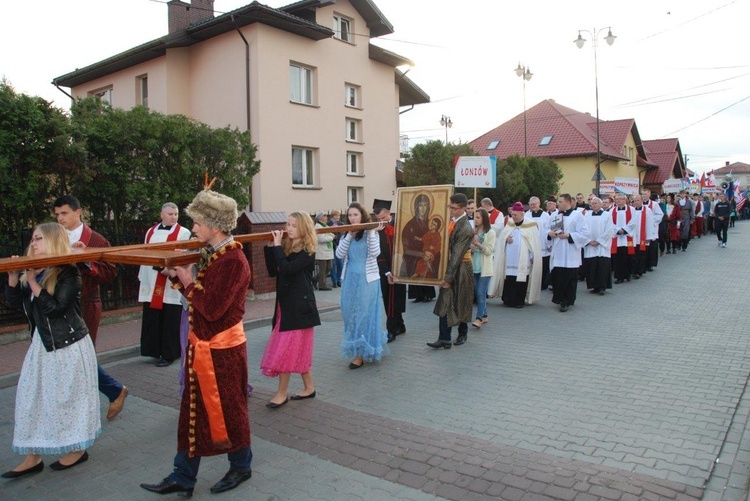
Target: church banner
(476, 172)
(672, 186)
(627, 185)
(606, 188)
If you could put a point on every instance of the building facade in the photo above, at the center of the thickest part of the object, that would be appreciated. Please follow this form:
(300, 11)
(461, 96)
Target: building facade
(319, 100)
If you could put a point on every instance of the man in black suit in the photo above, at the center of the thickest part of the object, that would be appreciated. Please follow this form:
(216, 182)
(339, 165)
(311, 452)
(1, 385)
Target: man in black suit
(394, 295)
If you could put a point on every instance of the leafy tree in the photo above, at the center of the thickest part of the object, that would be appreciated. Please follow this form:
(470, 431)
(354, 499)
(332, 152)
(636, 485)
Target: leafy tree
(138, 159)
(518, 178)
(432, 163)
(36, 156)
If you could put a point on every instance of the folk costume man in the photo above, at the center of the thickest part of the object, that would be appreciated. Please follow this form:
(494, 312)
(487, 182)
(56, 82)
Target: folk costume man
(697, 226)
(394, 295)
(622, 243)
(160, 329)
(687, 216)
(597, 259)
(652, 257)
(518, 265)
(541, 218)
(213, 412)
(68, 212)
(645, 233)
(567, 236)
(454, 303)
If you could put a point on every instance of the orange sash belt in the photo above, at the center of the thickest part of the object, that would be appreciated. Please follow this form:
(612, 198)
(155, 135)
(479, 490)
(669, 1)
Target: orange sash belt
(203, 365)
(467, 257)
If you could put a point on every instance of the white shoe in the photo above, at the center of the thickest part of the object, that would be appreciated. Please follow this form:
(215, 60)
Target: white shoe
(724, 245)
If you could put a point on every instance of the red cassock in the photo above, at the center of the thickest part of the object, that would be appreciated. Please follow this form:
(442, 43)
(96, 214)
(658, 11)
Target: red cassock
(216, 305)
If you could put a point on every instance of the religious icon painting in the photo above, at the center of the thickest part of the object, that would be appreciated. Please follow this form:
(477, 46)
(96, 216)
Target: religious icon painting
(421, 249)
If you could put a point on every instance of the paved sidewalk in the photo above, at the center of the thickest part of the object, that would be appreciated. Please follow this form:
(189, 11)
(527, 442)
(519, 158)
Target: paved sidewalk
(640, 394)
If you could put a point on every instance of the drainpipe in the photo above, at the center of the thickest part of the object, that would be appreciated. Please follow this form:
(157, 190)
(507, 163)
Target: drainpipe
(247, 73)
(58, 88)
(247, 97)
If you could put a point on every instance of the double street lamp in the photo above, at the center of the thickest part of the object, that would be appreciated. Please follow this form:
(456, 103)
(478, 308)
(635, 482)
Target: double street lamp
(580, 41)
(446, 122)
(525, 74)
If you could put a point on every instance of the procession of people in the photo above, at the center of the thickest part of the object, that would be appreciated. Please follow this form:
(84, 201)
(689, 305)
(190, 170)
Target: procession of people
(489, 260)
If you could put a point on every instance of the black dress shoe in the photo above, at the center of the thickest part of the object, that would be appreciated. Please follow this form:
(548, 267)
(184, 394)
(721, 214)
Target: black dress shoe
(28, 471)
(352, 365)
(619, 281)
(57, 465)
(163, 362)
(440, 344)
(324, 288)
(460, 340)
(302, 397)
(168, 487)
(401, 330)
(563, 308)
(391, 337)
(419, 300)
(232, 479)
(272, 405)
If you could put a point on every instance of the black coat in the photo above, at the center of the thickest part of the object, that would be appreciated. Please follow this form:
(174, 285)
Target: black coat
(58, 317)
(294, 291)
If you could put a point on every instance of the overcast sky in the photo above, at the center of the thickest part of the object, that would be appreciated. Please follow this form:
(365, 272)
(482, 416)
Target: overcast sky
(680, 69)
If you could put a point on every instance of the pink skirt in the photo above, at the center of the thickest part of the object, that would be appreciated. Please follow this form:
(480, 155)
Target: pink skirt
(287, 351)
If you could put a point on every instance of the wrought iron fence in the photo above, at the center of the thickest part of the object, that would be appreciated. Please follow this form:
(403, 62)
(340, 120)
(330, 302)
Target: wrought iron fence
(121, 293)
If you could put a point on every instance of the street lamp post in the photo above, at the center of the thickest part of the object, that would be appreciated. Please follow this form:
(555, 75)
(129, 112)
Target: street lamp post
(446, 122)
(525, 74)
(580, 41)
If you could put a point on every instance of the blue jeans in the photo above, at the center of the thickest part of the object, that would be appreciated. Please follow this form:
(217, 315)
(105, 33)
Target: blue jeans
(481, 284)
(336, 270)
(445, 331)
(108, 385)
(186, 468)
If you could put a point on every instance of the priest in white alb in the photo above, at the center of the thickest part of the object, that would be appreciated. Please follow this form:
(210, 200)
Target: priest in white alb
(541, 218)
(567, 235)
(597, 259)
(518, 261)
(162, 311)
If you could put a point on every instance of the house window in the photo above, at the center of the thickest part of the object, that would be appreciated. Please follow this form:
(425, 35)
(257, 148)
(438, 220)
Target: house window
(353, 132)
(545, 140)
(142, 90)
(342, 27)
(353, 194)
(104, 94)
(493, 145)
(303, 167)
(354, 163)
(300, 84)
(352, 96)
(630, 154)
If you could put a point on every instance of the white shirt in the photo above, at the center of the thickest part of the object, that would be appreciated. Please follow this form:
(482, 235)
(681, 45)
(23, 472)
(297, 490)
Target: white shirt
(75, 235)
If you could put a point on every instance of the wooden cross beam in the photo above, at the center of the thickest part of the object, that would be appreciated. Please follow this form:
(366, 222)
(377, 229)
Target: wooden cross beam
(161, 254)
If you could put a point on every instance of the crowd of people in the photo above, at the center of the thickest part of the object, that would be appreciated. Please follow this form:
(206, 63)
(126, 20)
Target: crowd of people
(194, 313)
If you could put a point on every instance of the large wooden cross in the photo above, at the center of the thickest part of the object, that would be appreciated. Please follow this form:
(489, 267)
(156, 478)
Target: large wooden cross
(156, 254)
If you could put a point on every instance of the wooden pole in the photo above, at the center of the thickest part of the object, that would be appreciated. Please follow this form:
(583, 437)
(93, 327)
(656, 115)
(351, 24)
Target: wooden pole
(161, 254)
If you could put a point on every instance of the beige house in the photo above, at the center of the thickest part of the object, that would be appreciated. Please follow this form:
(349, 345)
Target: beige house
(569, 138)
(320, 101)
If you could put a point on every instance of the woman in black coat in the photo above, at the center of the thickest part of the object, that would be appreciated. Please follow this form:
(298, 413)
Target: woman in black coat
(292, 260)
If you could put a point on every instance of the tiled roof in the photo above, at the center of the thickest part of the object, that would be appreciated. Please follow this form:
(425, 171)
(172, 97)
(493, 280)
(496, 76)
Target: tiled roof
(736, 167)
(573, 134)
(665, 153)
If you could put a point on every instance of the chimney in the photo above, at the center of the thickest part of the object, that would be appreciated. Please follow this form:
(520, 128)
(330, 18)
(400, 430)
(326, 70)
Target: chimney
(180, 15)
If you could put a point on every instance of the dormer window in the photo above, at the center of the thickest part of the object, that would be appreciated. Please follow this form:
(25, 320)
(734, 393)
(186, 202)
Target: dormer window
(546, 140)
(342, 27)
(493, 145)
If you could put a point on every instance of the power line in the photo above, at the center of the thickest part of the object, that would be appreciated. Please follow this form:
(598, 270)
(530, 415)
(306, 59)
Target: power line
(706, 118)
(688, 21)
(683, 90)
